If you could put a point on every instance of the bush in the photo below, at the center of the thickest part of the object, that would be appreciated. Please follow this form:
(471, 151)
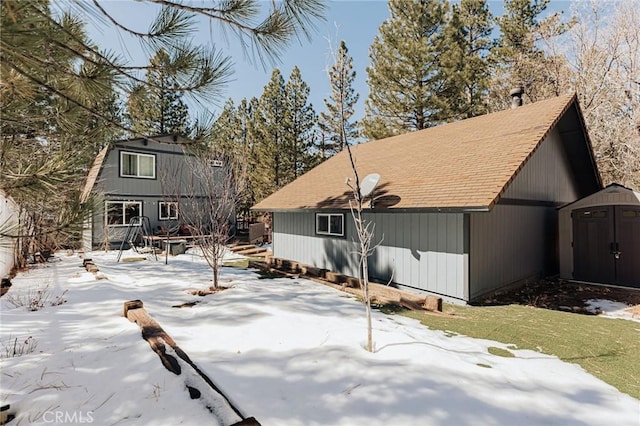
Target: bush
(18, 347)
(36, 299)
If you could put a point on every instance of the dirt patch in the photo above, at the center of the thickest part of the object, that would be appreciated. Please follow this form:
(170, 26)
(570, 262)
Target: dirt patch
(207, 291)
(5, 285)
(185, 305)
(563, 296)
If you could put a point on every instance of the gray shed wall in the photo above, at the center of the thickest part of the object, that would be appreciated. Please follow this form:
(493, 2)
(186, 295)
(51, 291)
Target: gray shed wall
(425, 251)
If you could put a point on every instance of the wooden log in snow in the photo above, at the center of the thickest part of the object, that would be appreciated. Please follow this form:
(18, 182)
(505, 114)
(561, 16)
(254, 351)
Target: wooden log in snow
(158, 339)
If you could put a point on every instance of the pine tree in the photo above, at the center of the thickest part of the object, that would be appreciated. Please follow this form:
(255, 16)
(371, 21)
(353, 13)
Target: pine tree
(405, 79)
(271, 145)
(335, 124)
(225, 132)
(464, 60)
(40, 126)
(157, 108)
(518, 57)
(300, 124)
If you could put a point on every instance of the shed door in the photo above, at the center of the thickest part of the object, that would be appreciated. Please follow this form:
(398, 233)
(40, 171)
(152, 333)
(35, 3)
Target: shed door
(628, 239)
(606, 245)
(592, 235)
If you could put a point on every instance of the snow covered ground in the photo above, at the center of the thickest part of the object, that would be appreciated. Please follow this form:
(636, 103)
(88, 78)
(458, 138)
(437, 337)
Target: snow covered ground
(611, 309)
(287, 351)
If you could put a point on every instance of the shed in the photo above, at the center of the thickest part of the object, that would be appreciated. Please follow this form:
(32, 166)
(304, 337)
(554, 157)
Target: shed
(600, 238)
(461, 210)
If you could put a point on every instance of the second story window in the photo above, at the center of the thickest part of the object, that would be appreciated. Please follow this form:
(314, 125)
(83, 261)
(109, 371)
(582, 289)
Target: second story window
(134, 164)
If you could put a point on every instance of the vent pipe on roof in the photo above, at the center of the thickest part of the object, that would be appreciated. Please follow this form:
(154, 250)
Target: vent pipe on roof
(516, 96)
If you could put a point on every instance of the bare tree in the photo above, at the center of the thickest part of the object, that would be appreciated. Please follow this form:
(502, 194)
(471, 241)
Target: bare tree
(365, 232)
(599, 59)
(209, 206)
(364, 228)
(604, 51)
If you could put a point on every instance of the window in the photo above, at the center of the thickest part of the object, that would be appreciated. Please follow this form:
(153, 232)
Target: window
(168, 210)
(133, 164)
(119, 213)
(330, 224)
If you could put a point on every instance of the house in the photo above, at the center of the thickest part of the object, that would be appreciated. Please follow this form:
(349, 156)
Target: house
(147, 177)
(600, 238)
(461, 210)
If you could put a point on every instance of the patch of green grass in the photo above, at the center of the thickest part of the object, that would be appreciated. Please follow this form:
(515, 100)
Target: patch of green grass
(606, 348)
(483, 365)
(236, 263)
(500, 352)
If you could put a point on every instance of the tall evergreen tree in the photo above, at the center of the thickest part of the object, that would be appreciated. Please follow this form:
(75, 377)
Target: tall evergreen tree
(40, 126)
(270, 127)
(157, 108)
(336, 125)
(300, 124)
(405, 80)
(467, 38)
(518, 58)
(250, 162)
(226, 132)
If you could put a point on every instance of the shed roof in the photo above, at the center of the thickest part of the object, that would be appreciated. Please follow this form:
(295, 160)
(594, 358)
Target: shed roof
(611, 195)
(463, 165)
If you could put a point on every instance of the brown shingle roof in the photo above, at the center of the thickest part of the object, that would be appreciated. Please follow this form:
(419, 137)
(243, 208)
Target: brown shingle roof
(94, 171)
(465, 164)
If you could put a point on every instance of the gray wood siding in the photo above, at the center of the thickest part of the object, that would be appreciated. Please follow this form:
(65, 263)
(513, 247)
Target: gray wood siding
(509, 244)
(294, 238)
(546, 176)
(150, 208)
(172, 172)
(426, 251)
(174, 180)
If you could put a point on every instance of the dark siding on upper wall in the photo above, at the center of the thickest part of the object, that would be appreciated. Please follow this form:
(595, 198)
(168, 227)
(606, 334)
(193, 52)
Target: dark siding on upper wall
(172, 172)
(547, 176)
(516, 242)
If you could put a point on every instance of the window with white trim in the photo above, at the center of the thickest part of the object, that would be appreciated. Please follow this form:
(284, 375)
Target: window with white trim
(134, 164)
(119, 213)
(330, 224)
(168, 210)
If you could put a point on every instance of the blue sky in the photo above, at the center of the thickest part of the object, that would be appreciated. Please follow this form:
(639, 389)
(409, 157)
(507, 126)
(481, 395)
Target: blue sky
(354, 21)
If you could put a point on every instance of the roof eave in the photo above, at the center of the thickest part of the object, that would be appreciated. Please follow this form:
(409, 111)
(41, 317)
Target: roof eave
(469, 209)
